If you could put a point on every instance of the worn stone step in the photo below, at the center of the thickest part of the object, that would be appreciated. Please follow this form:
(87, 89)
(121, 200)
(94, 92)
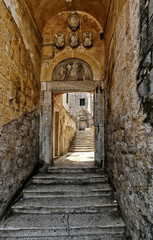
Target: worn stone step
(69, 178)
(87, 237)
(43, 191)
(82, 146)
(78, 140)
(86, 139)
(81, 150)
(65, 205)
(83, 139)
(77, 170)
(56, 225)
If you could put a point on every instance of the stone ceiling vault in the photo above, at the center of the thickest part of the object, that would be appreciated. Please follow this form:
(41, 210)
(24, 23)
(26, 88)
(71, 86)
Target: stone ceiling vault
(43, 10)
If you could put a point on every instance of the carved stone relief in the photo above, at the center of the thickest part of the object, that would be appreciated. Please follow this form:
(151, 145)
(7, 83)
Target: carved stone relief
(87, 39)
(74, 39)
(72, 69)
(74, 21)
(60, 40)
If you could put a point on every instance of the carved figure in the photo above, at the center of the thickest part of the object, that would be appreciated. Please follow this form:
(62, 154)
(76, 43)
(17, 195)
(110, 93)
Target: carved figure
(60, 40)
(74, 21)
(72, 69)
(74, 39)
(87, 39)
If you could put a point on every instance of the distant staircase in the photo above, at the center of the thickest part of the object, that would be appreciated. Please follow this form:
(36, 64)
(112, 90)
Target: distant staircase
(83, 141)
(69, 203)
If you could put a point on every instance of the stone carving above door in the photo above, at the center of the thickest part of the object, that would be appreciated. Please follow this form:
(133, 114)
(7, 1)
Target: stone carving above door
(74, 39)
(72, 69)
(59, 40)
(87, 39)
(74, 21)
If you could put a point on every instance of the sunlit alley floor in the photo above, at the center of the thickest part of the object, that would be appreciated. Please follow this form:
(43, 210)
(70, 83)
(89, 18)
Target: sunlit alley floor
(75, 159)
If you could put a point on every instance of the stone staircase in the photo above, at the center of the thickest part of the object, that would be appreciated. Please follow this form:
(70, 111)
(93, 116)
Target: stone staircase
(69, 203)
(83, 141)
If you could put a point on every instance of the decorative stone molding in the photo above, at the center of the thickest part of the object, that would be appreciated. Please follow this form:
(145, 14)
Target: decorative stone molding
(74, 39)
(59, 40)
(87, 39)
(74, 21)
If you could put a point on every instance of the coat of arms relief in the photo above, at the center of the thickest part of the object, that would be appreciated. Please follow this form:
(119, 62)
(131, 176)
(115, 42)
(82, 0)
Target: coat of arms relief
(74, 23)
(60, 40)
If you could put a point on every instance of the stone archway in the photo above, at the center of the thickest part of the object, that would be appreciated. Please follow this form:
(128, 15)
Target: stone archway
(70, 75)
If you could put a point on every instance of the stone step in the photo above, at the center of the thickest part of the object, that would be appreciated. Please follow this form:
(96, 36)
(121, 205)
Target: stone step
(82, 145)
(65, 205)
(79, 143)
(82, 142)
(80, 150)
(69, 178)
(85, 147)
(62, 225)
(83, 139)
(77, 170)
(87, 237)
(43, 191)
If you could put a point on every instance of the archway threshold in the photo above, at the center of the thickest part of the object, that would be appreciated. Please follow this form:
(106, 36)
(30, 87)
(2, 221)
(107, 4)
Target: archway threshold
(75, 159)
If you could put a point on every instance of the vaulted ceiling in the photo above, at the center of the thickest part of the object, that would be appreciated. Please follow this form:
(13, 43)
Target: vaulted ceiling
(43, 10)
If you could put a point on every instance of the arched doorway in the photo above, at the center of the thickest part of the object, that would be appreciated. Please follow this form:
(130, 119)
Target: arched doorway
(82, 123)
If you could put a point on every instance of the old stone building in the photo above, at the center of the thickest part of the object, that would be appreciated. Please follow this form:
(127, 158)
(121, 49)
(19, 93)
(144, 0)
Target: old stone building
(50, 47)
(81, 108)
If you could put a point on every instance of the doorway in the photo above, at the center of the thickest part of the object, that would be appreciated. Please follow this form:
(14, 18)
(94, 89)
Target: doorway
(82, 124)
(71, 83)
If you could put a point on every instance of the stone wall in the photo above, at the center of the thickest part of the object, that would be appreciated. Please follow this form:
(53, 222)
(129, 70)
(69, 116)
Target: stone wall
(66, 127)
(145, 72)
(128, 136)
(19, 87)
(18, 154)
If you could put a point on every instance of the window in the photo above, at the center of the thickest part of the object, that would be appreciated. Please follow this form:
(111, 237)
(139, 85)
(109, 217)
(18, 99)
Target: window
(82, 101)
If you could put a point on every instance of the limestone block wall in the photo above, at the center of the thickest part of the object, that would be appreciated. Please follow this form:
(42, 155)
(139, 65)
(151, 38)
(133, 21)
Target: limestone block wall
(19, 88)
(18, 154)
(20, 50)
(128, 135)
(145, 71)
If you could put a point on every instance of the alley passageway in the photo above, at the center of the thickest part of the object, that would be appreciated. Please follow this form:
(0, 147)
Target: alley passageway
(71, 70)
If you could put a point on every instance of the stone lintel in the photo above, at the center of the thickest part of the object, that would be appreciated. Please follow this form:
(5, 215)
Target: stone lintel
(72, 86)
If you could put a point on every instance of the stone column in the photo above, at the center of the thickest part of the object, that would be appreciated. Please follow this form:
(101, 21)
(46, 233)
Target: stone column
(46, 153)
(99, 127)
